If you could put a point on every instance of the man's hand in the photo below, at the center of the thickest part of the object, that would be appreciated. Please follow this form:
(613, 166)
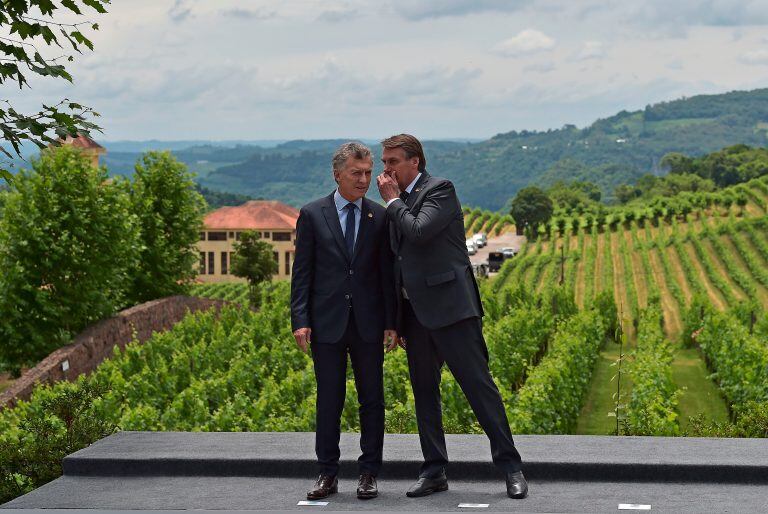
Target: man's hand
(388, 188)
(390, 340)
(302, 338)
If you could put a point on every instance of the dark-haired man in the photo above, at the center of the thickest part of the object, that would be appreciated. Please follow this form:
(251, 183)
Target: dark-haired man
(342, 302)
(439, 311)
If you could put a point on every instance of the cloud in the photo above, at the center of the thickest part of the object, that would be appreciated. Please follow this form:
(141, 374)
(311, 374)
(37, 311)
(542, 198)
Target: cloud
(180, 11)
(338, 15)
(424, 9)
(755, 57)
(540, 67)
(590, 50)
(527, 42)
(247, 14)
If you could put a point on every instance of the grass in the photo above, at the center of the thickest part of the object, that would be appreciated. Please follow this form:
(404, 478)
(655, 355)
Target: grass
(700, 394)
(594, 418)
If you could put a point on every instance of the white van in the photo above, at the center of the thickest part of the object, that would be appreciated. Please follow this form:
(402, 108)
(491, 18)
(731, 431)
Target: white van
(471, 247)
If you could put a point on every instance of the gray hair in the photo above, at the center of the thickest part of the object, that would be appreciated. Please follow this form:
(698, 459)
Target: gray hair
(352, 149)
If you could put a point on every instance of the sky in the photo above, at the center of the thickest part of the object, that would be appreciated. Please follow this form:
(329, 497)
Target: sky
(290, 69)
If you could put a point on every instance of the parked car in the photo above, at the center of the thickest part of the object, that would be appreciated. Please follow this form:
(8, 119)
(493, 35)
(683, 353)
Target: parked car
(471, 247)
(495, 260)
(508, 251)
(481, 239)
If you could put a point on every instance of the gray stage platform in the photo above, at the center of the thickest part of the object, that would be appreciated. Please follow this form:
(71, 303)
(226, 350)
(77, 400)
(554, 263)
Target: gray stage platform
(271, 471)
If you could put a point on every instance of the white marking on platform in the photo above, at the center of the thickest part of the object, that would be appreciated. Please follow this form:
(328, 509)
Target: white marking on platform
(473, 505)
(312, 503)
(633, 506)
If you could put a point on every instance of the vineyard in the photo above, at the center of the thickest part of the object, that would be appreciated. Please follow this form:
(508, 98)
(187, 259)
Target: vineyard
(672, 301)
(654, 262)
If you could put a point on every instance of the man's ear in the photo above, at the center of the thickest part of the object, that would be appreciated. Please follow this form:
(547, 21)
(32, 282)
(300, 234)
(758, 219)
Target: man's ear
(336, 176)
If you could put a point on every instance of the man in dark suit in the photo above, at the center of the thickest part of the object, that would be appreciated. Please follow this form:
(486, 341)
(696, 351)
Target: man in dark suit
(439, 311)
(342, 302)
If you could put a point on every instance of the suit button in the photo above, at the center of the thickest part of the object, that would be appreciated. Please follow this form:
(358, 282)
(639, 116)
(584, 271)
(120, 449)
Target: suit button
(399, 257)
(351, 272)
(347, 296)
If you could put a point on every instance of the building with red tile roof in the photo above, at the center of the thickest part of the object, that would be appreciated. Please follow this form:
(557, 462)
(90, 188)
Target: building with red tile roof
(276, 223)
(87, 145)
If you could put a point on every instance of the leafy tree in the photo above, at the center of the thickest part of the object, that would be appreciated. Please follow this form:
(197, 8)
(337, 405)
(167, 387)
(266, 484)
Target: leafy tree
(253, 260)
(169, 212)
(32, 28)
(67, 243)
(530, 207)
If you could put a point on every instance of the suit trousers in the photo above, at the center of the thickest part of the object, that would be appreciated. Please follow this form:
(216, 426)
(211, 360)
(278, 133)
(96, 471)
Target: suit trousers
(330, 363)
(462, 347)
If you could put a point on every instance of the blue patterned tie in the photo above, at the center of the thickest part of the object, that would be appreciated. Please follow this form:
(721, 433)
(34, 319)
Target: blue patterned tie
(349, 233)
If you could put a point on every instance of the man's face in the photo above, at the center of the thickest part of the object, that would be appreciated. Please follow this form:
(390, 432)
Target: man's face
(397, 166)
(354, 178)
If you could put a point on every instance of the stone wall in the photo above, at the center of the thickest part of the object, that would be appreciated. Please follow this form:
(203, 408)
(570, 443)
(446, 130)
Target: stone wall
(96, 343)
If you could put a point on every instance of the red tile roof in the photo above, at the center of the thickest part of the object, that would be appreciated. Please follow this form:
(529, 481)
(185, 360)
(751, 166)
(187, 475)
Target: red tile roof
(256, 214)
(84, 142)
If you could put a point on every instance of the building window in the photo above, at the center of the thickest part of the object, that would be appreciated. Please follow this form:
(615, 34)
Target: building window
(277, 259)
(202, 236)
(224, 263)
(210, 262)
(281, 236)
(237, 235)
(287, 263)
(202, 263)
(231, 235)
(217, 236)
(266, 235)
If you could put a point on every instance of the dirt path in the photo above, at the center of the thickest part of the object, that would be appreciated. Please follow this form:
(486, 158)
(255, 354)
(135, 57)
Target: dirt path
(712, 292)
(638, 272)
(669, 307)
(722, 270)
(620, 292)
(677, 269)
(599, 263)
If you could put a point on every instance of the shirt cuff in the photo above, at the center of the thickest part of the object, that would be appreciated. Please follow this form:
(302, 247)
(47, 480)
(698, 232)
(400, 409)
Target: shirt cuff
(392, 200)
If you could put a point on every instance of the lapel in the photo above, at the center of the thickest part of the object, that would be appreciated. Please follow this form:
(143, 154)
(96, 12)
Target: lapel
(417, 190)
(332, 218)
(413, 198)
(362, 229)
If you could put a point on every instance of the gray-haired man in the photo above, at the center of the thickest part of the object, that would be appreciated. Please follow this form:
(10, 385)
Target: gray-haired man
(342, 302)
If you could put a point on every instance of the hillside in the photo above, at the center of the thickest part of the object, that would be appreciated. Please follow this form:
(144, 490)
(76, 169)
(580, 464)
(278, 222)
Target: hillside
(487, 174)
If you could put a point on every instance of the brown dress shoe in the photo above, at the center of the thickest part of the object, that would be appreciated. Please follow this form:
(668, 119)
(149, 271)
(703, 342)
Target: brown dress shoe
(366, 487)
(324, 487)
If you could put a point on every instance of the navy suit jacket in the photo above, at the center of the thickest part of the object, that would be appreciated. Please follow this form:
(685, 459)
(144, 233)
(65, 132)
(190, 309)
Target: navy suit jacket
(427, 236)
(327, 283)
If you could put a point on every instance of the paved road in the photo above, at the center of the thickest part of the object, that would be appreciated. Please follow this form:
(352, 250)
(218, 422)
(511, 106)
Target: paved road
(283, 494)
(508, 239)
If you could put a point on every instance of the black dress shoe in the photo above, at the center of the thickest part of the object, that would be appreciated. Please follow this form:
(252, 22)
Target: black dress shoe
(425, 486)
(324, 487)
(366, 487)
(517, 487)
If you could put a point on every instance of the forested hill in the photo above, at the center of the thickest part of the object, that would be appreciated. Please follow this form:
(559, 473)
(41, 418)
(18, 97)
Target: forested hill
(487, 174)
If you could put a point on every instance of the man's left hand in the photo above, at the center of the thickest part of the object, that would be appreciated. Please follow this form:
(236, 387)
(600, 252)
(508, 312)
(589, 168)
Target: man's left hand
(390, 340)
(388, 188)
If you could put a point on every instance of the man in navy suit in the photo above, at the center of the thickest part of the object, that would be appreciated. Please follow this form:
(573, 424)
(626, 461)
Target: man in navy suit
(342, 302)
(440, 312)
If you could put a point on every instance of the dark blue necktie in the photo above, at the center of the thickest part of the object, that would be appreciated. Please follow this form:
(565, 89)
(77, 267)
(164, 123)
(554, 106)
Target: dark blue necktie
(349, 234)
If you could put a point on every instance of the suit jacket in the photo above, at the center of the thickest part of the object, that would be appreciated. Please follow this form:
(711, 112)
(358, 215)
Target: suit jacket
(327, 283)
(431, 260)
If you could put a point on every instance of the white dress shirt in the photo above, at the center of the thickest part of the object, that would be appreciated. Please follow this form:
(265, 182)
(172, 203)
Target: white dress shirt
(341, 204)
